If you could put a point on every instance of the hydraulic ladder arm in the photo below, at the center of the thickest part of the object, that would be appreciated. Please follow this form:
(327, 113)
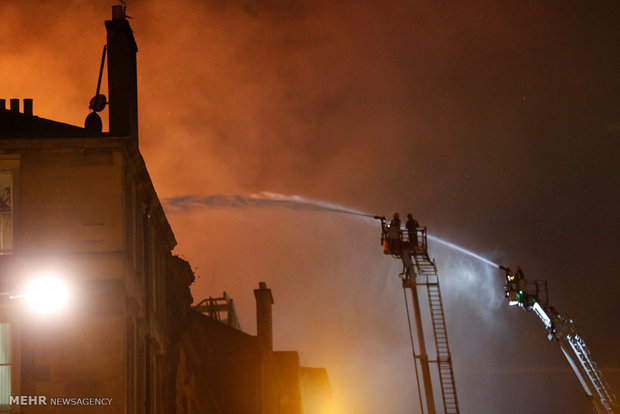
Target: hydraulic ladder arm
(420, 273)
(533, 297)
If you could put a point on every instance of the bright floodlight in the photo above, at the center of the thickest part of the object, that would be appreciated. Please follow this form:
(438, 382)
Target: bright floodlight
(46, 294)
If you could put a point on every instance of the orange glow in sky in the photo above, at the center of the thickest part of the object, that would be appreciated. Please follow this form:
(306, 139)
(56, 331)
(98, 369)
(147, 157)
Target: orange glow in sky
(379, 106)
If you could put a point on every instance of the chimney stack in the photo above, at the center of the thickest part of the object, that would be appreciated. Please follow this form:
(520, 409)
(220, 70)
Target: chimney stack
(28, 107)
(122, 75)
(264, 324)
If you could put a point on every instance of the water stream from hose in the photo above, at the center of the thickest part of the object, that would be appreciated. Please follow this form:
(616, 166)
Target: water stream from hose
(293, 202)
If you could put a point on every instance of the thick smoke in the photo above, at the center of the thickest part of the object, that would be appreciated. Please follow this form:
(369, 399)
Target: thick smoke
(497, 122)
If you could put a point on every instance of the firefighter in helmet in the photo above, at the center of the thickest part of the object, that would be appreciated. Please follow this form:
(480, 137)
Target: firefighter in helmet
(412, 230)
(394, 233)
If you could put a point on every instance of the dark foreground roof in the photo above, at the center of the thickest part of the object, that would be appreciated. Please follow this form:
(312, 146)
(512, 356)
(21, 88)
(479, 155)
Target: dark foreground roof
(15, 124)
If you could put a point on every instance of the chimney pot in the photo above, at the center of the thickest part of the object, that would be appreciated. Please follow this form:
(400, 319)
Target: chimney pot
(3, 104)
(28, 106)
(15, 105)
(118, 13)
(264, 323)
(122, 76)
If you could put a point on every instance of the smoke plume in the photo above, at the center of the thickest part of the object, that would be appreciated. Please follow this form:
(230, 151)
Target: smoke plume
(495, 123)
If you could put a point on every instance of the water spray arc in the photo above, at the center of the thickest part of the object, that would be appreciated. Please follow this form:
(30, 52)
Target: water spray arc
(463, 250)
(260, 200)
(291, 202)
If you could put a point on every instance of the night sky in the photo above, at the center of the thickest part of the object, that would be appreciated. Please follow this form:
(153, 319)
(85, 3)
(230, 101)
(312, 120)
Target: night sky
(496, 123)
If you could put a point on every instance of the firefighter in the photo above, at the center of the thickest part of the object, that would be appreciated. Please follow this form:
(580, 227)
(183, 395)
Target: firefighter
(519, 273)
(520, 279)
(395, 221)
(510, 287)
(394, 234)
(412, 229)
(384, 234)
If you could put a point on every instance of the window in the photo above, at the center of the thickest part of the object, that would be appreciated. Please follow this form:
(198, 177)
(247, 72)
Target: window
(5, 366)
(6, 211)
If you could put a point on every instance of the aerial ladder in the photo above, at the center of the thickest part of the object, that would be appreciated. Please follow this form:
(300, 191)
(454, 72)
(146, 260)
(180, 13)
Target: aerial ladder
(533, 296)
(420, 271)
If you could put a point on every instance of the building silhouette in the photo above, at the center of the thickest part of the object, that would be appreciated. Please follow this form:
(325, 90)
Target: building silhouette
(79, 202)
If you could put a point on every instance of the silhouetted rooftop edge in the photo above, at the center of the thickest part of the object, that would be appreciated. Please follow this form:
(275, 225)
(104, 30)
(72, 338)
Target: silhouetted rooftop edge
(18, 125)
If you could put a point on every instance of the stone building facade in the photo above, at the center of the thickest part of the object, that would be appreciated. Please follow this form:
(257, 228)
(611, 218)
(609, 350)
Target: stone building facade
(79, 203)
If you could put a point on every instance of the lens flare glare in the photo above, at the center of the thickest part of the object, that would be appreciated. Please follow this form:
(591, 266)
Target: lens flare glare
(46, 294)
